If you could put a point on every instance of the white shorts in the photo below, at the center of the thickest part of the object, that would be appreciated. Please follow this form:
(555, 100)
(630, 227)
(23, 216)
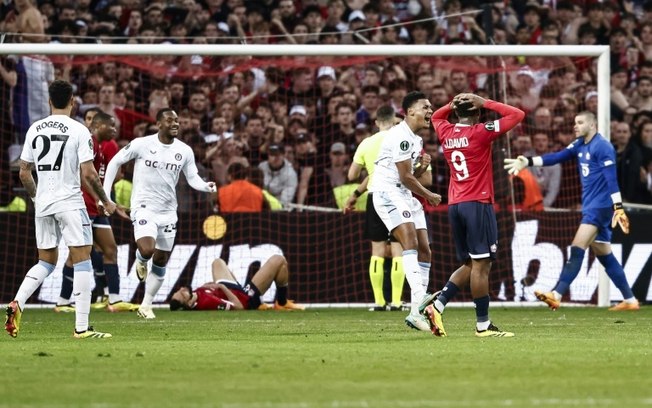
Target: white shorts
(74, 226)
(395, 208)
(160, 226)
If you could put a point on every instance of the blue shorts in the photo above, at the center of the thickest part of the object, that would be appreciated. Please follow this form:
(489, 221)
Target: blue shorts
(101, 221)
(601, 218)
(475, 230)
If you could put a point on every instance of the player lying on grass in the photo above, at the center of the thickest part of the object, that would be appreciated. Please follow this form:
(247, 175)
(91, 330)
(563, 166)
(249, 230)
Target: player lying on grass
(225, 293)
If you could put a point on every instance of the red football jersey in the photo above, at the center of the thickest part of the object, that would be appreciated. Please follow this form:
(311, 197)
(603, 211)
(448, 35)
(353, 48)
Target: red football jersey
(99, 163)
(468, 151)
(215, 299)
(109, 149)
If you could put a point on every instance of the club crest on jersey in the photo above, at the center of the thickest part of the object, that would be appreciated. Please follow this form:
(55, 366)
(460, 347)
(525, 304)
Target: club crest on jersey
(142, 222)
(407, 214)
(178, 156)
(90, 144)
(405, 145)
(490, 126)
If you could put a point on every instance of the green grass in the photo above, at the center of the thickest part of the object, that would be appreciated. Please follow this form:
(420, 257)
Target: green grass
(575, 357)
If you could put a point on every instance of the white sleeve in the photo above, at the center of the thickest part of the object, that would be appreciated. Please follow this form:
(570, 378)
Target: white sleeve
(125, 154)
(85, 148)
(401, 149)
(192, 174)
(27, 154)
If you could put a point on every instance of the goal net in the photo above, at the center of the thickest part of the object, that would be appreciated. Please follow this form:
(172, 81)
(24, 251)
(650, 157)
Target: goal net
(314, 104)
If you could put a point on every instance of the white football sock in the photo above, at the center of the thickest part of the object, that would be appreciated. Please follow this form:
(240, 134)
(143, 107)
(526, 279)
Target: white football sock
(81, 291)
(33, 279)
(152, 284)
(413, 276)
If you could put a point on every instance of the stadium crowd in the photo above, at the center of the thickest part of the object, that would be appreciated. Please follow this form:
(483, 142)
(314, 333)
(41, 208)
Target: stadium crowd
(295, 123)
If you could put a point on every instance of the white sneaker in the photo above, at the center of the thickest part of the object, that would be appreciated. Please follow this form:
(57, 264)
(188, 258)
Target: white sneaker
(141, 270)
(147, 313)
(417, 322)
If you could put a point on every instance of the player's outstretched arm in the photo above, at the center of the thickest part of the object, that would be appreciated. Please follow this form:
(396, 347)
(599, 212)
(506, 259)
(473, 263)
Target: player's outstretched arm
(514, 166)
(192, 176)
(112, 169)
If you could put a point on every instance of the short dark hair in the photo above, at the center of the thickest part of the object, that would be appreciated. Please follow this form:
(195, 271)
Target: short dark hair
(465, 109)
(159, 114)
(93, 109)
(60, 93)
(101, 117)
(411, 98)
(385, 113)
(176, 305)
(237, 171)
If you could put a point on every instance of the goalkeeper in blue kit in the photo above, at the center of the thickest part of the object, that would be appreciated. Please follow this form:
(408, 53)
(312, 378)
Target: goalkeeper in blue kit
(602, 208)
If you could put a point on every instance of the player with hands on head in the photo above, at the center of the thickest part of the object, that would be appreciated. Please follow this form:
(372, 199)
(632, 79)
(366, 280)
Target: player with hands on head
(467, 146)
(159, 159)
(60, 148)
(602, 208)
(398, 167)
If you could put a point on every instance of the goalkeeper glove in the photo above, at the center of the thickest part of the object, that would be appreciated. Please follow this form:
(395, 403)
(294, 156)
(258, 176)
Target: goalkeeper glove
(513, 166)
(620, 218)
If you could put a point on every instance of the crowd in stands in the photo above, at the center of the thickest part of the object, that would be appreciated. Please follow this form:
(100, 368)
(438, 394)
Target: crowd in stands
(290, 126)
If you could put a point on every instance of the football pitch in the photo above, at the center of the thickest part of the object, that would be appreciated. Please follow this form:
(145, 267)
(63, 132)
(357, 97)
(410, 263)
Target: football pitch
(574, 357)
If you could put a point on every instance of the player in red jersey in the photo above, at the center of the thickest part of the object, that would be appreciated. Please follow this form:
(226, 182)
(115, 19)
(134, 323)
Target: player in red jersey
(225, 293)
(467, 146)
(102, 128)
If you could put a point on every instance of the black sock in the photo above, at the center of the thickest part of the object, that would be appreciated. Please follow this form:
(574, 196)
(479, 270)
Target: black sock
(282, 295)
(66, 283)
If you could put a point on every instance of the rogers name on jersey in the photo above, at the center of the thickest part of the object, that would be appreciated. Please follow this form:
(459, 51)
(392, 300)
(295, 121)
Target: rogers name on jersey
(163, 165)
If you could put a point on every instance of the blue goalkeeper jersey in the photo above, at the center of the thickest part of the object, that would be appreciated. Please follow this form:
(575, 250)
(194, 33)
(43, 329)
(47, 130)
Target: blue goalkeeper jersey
(596, 162)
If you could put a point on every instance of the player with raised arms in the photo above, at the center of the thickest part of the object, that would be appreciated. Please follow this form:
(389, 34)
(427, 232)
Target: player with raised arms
(159, 159)
(467, 146)
(59, 147)
(602, 208)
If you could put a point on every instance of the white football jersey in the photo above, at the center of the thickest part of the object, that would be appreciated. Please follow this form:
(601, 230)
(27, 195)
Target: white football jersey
(57, 145)
(400, 144)
(156, 171)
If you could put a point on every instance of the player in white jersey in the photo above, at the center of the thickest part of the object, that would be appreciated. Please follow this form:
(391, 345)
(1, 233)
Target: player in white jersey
(58, 147)
(400, 162)
(159, 158)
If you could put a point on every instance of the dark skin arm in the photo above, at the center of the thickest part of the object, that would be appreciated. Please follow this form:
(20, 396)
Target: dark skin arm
(92, 179)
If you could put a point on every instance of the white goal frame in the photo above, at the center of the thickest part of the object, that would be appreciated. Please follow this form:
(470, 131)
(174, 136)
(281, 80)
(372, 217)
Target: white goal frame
(276, 50)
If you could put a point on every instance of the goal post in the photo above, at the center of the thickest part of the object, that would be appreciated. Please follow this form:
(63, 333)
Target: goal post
(389, 51)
